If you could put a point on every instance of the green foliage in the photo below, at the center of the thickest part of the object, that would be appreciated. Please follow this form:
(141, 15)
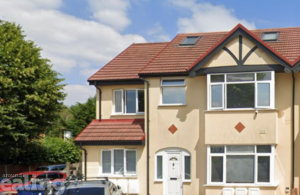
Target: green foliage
(30, 92)
(82, 115)
(49, 150)
(60, 151)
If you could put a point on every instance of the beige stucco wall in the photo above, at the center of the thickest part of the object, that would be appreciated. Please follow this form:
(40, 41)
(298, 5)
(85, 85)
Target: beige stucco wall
(222, 58)
(260, 127)
(94, 166)
(188, 119)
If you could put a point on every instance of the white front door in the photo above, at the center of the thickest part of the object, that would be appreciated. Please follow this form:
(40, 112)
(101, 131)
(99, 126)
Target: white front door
(174, 178)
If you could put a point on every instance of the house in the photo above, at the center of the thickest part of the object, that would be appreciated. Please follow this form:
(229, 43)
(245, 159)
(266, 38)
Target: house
(206, 113)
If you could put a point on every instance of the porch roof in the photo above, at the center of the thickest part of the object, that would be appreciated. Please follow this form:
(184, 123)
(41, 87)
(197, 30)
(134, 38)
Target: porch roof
(112, 132)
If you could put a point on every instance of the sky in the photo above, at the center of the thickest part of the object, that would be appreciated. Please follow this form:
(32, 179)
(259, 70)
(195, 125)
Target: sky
(81, 36)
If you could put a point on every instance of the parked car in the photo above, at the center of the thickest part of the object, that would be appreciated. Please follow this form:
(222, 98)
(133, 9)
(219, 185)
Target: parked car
(99, 187)
(7, 186)
(60, 167)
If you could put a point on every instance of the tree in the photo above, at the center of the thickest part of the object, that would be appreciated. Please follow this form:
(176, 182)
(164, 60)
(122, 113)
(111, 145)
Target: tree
(30, 92)
(83, 114)
(60, 151)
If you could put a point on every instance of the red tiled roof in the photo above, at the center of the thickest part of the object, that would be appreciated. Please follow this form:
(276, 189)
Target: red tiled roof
(113, 130)
(170, 58)
(128, 63)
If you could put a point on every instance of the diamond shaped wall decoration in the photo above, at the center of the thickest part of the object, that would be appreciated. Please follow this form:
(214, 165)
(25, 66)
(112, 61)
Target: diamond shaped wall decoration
(239, 127)
(172, 129)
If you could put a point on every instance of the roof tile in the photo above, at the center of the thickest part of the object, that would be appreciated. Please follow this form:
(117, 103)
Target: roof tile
(113, 130)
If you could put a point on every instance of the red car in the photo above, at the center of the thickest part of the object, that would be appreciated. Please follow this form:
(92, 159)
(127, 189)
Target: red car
(7, 186)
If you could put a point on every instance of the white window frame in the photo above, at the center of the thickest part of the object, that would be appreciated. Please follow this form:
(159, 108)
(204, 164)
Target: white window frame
(164, 154)
(112, 163)
(124, 102)
(224, 90)
(172, 86)
(255, 154)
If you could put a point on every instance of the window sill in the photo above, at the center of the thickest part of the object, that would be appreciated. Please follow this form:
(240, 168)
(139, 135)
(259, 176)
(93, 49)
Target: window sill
(167, 105)
(241, 185)
(242, 109)
(131, 114)
(119, 176)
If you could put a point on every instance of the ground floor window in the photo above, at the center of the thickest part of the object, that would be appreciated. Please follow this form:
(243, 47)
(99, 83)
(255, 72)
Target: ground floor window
(119, 162)
(245, 164)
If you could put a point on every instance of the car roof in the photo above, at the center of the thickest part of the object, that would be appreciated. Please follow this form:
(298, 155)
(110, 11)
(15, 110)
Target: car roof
(83, 184)
(53, 165)
(38, 172)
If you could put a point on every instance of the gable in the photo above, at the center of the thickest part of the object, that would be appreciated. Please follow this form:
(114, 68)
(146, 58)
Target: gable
(240, 51)
(261, 54)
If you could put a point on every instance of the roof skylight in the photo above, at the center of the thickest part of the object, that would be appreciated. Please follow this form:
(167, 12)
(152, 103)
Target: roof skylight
(190, 40)
(270, 36)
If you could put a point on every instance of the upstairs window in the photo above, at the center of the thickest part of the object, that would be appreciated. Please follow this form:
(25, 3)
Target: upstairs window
(173, 91)
(241, 90)
(129, 101)
(190, 40)
(270, 36)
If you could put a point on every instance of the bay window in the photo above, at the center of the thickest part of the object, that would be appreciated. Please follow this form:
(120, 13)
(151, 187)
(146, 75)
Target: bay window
(119, 162)
(130, 101)
(241, 164)
(241, 90)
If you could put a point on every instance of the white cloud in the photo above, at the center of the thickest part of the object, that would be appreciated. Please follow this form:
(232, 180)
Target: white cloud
(158, 34)
(78, 93)
(88, 72)
(111, 13)
(71, 43)
(207, 17)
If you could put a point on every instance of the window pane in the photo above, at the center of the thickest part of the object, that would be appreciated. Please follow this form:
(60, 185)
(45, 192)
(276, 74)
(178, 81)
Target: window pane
(118, 162)
(159, 168)
(263, 169)
(217, 149)
(173, 95)
(263, 76)
(240, 169)
(271, 36)
(106, 162)
(216, 96)
(173, 82)
(217, 78)
(240, 149)
(264, 149)
(130, 101)
(190, 40)
(263, 94)
(187, 167)
(217, 169)
(141, 101)
(130, 162)
(240, 77)
(118, 101)
(240, 95)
